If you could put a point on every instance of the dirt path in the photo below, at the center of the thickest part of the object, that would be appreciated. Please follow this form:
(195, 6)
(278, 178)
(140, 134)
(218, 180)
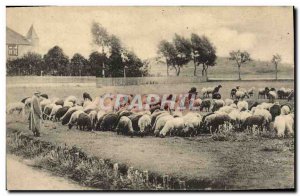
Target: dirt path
(23, 177)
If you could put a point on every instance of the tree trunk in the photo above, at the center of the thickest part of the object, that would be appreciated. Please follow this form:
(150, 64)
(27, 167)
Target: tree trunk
(276, 71)
(167, 70)
(239, 68)
(195, 68)
(206, 67)
(203, 70)
(178, 71)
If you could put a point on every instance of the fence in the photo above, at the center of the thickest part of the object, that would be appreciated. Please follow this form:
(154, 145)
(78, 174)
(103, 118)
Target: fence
(147, 80)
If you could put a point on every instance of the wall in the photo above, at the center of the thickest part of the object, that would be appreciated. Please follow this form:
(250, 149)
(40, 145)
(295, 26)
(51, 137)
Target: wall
(147, 80)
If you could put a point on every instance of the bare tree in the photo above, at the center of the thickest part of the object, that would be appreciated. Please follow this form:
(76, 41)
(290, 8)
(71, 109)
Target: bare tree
(240, 57)
(276, 60)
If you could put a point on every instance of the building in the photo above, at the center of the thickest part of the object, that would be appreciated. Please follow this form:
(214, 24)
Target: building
(17, 45)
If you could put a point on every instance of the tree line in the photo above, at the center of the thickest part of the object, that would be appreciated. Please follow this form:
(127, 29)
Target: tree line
(180, 51)
(114, 60)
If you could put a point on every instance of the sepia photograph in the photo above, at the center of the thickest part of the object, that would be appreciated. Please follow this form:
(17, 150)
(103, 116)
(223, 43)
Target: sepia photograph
(150, 98)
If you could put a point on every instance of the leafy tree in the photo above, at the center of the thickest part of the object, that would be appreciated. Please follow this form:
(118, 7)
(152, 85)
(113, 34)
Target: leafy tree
(79, 65)
(203, 52)
(176, 53)
(276, 60)
(184, 49)
(56, 62)
(133, 64)
(32, 63)
(96, 62)
(168, 51)
(100, 36)
(115, 64)
(240, 57)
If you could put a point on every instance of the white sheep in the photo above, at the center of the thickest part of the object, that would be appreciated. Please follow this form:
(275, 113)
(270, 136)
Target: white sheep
(160, 123)
(234, 114)
(144, 123)
(228, 102)
(216, 104)
(242, 105)
(263, 112)
(241, 94)
(283, 125)
(172, 126)
(71, 98)
(45, 102)
(272, 96)
(285, 110)
(265, 105)
(68, 103)
(93, 117)
(17, 106)
(243, 115)
(226, 109)
(176, 113)
(192, 122)
(55, 108)
(100, 114)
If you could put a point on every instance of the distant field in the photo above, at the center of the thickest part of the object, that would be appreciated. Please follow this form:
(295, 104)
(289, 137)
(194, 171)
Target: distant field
(61, 90)
(225, 68)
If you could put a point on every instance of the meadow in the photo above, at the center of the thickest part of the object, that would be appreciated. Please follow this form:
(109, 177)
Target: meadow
(237, 161)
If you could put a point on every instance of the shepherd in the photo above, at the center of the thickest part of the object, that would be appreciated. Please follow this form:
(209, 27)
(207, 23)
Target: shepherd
(35, 115)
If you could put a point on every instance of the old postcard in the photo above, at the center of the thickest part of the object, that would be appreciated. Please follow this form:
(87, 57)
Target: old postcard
(150, 98)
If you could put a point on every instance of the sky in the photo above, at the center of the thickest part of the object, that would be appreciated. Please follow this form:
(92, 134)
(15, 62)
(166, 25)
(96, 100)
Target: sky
(262, 31)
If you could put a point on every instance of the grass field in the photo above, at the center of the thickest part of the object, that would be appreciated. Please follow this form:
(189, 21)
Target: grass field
(226, 68)
(245, 163)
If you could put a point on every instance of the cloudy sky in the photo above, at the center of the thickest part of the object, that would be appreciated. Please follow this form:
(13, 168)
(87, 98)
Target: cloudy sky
(263, 31)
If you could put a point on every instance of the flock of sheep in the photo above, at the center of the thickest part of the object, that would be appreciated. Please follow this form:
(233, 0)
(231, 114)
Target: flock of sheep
(235, 114)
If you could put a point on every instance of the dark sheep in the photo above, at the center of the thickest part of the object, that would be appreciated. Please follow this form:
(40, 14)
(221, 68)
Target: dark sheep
(216, 90)
(23, 100)
(109, 122)
(135, 120)
(233, 92)
(84, 122)
(280, 94)
(154, 107)
(263, 93)
(254, 120)
(214, 124)
(203, 127)
(67, 117)
(216, 96)
(124, 126)
(44, 96)
(291, 96)
(275, 110)
(87, 96)
(46, 113)
(61, 112)
(206, 103)
(123, 113)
